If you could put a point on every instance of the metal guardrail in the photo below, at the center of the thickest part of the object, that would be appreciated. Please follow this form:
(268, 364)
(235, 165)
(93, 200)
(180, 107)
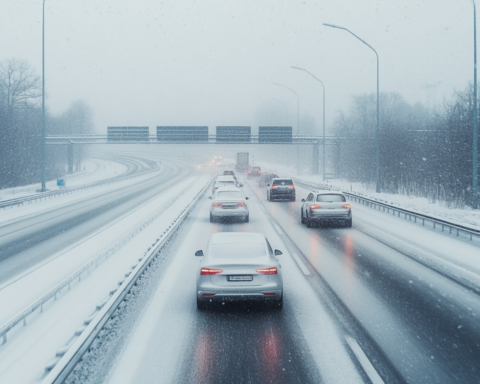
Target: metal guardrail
(47, 195)
(66, 361)
(22, 316)
(375, 204)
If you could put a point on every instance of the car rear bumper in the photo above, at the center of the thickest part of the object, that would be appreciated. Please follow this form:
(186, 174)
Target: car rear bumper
(282, 195)
(240, 296)
(333, 215)
(229, 212)
(239, 292)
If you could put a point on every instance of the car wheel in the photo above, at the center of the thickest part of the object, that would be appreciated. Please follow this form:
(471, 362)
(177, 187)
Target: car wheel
(308, 222)
(246, 219)
(302, 219)
(212, 219)
(201, 305)
(348, 223)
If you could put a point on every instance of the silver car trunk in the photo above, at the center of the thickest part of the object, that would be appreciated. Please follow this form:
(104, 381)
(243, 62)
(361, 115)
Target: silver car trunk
(239, 266)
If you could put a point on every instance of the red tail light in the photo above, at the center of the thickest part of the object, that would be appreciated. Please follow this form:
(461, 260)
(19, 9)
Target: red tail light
(210, 271)
(346, 206)
(315, 206)
(274, 186)
(208, 294)
(266, 294)
(215, 187)
(259, 172)
(267, 271)
(292, 186)
(217, 204)
(243, 204)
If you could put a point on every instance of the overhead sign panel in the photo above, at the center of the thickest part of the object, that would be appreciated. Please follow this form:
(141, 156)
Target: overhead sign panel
(128, 133)
(182, 134)
(234, 134)
(270, 135)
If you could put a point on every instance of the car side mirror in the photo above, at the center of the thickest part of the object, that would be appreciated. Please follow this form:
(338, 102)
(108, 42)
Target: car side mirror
(246, 198)
(278, 253)
(268, 185)
(210, 197)
(303, 200)
(200, 253)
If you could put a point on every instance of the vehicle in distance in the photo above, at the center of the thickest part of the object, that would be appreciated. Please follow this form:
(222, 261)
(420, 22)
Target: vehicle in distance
(226, 173)
(239, 266)
(223, 181)
(325, 206)
(281, 189)
(266, 179)
(254, 172)
(242, 161)
(229, 203)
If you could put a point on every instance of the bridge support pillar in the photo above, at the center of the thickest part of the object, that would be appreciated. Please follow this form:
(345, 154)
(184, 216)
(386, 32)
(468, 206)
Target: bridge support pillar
(70, 158)
(315, 158)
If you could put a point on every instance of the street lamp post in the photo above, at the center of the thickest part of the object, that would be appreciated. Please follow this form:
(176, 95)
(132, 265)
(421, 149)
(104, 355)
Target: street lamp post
(323, 85)
(298, 119)
(43, 150)
(378, 105)
(475, 115)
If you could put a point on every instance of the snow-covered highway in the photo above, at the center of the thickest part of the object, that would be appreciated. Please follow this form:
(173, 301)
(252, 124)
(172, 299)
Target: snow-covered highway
(373, 303)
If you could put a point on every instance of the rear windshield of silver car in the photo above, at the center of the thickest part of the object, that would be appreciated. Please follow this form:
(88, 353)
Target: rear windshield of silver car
(226, 182)
(229, 195)
(333, 198)
(283, 182)
(233, 250)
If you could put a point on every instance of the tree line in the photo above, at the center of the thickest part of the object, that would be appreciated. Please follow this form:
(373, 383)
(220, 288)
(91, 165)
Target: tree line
(21, 127)
(423, 152)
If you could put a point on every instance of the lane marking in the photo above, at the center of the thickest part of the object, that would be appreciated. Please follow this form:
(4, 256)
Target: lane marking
(365, 363)
(279, 230)
(300, 264)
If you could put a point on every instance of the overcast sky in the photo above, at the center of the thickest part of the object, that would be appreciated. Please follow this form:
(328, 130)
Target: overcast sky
(213, 62)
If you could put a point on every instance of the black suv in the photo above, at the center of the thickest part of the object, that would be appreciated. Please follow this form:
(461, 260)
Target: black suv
(281, 189)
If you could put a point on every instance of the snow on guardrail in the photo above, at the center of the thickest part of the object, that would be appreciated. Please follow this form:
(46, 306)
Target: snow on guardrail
(67, 357)
(65, 191)
(22, 316)
(376, 204)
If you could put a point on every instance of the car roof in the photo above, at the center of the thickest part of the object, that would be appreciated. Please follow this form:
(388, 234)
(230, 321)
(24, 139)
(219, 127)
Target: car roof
(237, 238)
(228, 188)
(328, 192)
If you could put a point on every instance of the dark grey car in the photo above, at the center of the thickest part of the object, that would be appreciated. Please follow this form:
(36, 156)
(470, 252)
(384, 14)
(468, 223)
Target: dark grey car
(281, 189)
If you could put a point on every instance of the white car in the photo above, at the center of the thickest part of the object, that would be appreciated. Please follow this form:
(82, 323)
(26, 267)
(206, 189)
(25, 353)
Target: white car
(229, 202)
(239, 266)
(223, 181)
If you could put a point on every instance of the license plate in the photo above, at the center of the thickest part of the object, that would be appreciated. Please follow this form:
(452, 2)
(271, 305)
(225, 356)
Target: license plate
(240, 278)
(229, 206)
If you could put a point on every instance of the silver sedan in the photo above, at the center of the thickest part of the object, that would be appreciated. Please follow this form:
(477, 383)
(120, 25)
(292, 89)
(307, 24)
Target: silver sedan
(324, 206)
(229, 202)
(239, 266)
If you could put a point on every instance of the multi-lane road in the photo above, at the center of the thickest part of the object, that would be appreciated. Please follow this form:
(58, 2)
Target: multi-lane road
(371, 303)
(384, 301)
